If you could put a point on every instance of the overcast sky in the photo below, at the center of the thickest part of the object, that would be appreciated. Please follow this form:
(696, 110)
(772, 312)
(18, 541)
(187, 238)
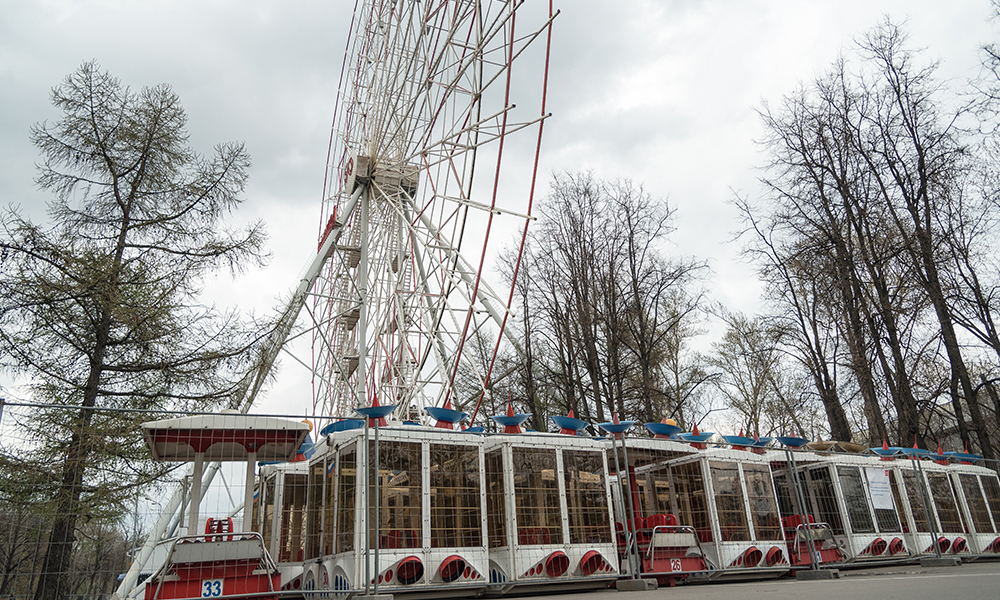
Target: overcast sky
(662, 92)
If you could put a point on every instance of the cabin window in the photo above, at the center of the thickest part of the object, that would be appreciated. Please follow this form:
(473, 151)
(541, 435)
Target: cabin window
(536, 492)
(991, 485)
(915, 495)
(347, 481)
(314, 510)
(496, 511)
(330, 507)
(894, 485)
(819, 486)
(456, 516)
(729, 501)
(979, 514)
(688, 499)
(654, 491)
(400, 494)
(944, 499)
(293, 523)
(763, 509)
(887, 520)
(856, 499)
(255, 511)
(586, 497)
(268, 500)
(881, 492)
(784, 492)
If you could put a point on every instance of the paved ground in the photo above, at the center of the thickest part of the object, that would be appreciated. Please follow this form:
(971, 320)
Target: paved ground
(970, 581)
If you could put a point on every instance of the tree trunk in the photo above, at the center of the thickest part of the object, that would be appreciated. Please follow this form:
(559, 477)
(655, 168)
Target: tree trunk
(951, 345)
(56, 565)
(859, 358)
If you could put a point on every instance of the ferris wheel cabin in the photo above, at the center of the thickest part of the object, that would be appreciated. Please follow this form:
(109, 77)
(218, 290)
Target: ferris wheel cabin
(704, 514)
(549, 516)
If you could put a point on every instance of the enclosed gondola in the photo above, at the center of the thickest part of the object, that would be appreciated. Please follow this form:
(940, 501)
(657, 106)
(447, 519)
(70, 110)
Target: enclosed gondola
(549, 513)
(718, 506)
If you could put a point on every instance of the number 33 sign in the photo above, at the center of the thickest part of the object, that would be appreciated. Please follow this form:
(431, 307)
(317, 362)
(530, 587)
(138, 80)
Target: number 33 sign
(211, 588)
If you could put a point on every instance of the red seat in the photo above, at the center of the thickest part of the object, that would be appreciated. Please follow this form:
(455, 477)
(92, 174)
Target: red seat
(654, 521)
(218, 526)
(399, 538)
(392, 539)
(660, 520)
(544, 537)
(527, 536)
(791, 521)
(638, 524)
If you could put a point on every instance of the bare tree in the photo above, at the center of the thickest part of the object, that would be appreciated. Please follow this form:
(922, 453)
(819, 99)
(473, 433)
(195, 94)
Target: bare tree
(601, 305)
(800, 309)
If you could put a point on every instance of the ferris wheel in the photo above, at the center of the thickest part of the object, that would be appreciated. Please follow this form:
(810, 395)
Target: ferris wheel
(431, 170)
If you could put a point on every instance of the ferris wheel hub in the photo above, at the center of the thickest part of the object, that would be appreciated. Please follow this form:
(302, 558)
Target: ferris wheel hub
(388, 177)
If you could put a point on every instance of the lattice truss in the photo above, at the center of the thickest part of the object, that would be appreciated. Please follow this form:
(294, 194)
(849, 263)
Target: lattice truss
(425, 95)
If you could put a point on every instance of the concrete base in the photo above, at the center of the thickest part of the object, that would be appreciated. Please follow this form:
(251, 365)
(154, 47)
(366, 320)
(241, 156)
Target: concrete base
(373, 597)
(817, 575)
(635, 585)
(944, 561)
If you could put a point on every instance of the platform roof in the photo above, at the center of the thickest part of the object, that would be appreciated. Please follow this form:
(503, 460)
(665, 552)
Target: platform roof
(224, 437)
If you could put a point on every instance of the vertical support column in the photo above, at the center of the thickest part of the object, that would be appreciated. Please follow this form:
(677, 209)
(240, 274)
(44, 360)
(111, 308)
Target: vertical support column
(362, 371)
(366, 508)
(563, 500)
(378, 480)
(800, 499)
(199, 463)
(931, 515)
(362, 374)
(248, 493)
(632, 510)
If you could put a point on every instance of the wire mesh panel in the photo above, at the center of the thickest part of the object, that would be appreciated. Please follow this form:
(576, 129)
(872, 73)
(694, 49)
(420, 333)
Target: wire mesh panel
(783, 490)
(536, 491)
(763, 509)
(456, 513)
(918, 508)
(978, 512)
(894, 484)
(822, 499)
(858, 510)
(314, 511)
(944, 501)
(496, 508)
(885, 505)
(327, 545)
(400, 474)
(654, 490)
(729, 501)
(347, 483)
(74, 475)
(23, 532)
(255, 515)
(991, 488)
(268, 504)
(688, 500)
(293, 522)
(586, 497)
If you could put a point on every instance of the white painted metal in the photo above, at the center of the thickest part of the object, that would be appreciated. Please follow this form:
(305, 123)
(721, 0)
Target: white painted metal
(425, 105)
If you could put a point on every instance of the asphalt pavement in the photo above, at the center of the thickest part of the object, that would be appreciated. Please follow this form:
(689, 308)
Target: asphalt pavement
(971, 581)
